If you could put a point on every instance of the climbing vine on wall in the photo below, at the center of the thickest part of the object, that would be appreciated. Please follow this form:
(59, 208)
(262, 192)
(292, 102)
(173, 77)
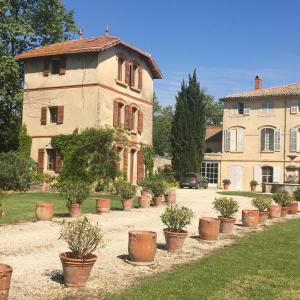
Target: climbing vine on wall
(25, 142)
(148, 159)
(89, 155)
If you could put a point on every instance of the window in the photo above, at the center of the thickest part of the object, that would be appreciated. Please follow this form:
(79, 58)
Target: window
(295, 139)
(270, 139)
(53, 114)
(240, 108)
(267, 174)
(267, 107)
(234, 140)
(294, 107)
(120, 68)
(51, 159)
(134, 118)
(55, 66)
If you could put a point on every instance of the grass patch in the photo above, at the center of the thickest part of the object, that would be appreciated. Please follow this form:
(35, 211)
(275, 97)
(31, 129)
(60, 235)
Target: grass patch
(260, 266)
(246, 194)
(21, 206)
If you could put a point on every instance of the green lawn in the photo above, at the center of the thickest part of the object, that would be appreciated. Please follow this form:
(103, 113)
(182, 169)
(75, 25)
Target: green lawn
(246, 194)
(21, 206)
(261, 266)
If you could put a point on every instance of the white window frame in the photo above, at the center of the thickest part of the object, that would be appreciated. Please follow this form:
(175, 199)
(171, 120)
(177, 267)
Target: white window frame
(235, 134)
(266, 143)
(267, 107)
(294, 107)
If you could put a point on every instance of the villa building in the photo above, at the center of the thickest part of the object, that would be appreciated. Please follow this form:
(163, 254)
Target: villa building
(89, 82)
(261, 137)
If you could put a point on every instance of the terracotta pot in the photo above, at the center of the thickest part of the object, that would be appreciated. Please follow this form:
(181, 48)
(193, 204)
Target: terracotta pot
(250, 217)
(209, 228)
(76, 271)
(226, 224)
(2, 213)
(74, 210)
(5, 278)
(102, 205)
(226, 186)
(274, 211)
(158, 200)
(44, 211)
(284, 211)
(127, 204)
(293, 208)
(263, 217)
(144, 201)
(170, 198)
(142, 245)
(145, 193)
(174, 240)
(253, 188)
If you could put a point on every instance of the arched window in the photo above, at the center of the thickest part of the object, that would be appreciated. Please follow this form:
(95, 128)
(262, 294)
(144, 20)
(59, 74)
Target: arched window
(270, 139)
(295, 139)
(267, 174)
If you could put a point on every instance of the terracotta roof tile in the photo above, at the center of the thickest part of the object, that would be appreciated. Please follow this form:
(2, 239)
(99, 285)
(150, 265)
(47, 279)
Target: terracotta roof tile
(87, 45)
(292, 89)
(212, 130)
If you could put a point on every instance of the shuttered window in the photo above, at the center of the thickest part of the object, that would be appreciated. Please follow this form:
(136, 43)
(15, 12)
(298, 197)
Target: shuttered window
(140, 121)
(270, 139)
(46, 69)
(41, 154)
(140, 166)
(43, 115)
(234, 140)
(120, 68)
(226, 140)
(294, 139)
(140, 83)
(51, 153)
(267, 174)
(267, 107)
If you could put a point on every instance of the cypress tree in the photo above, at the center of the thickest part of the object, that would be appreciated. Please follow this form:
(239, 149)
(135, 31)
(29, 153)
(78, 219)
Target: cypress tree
(188, 128)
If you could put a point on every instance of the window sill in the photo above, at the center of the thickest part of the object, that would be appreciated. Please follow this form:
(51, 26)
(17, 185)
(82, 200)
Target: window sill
(239, 116)
(121, 83)
(135, 89)
(268, 151)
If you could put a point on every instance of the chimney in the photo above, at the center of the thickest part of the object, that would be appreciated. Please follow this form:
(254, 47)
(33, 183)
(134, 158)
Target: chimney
(257, 83)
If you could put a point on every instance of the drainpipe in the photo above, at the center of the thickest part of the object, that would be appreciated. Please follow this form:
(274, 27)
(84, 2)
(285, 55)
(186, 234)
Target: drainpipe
(284, 138)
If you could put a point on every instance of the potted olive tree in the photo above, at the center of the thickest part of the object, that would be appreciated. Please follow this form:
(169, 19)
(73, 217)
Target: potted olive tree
(283, 199)
(226, 183)
(293, 206)
(145, 198)
(127, 191)
(74, 192)
(227, 207)
(253, 185)
(83, 238)
(158, 189)
(176, 218)
(262, 204)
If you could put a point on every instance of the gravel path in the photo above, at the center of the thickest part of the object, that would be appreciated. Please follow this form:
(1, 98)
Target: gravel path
(32, 249)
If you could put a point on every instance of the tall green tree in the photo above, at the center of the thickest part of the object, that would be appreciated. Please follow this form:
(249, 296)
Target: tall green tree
(188, 127)
(162, 124)
(214, 111)
(25, 24)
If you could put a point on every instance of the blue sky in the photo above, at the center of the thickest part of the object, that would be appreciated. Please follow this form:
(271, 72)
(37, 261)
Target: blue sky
(228, 42)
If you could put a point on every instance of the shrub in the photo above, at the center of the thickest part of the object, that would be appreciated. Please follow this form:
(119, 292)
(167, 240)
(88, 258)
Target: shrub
(282, 198)
(25, 142)
(16, 172)
(2, 200)
(146, 184)
(226, 206)
(82, 237)
(226, 181)
(159, 187)
(125, 189)
(176, 218)
(262, 203)
(74, 192)
(297, 194)
(254, 182)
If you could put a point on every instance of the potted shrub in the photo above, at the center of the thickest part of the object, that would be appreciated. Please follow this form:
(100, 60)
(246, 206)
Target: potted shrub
(44, 211)
(253, 185)
(83, 238)
(5, 278)
(262, 204)
(158, 189)
(145, 198)
(170, 195)
(226, 184)
(283, 199)
(126, 190)
(176, 218)
(227, 207)
(293, 206)
(74, 192)
(102, 205)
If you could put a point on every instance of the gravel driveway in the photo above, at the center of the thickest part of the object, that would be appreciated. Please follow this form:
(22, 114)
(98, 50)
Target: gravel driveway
(32, 249)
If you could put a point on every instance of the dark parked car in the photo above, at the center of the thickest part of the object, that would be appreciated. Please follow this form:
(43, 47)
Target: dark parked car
(193, 180)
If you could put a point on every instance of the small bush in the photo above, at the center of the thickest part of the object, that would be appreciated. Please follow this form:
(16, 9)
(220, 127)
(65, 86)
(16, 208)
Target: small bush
(283, 198)
(254, 183)
(82, 237)
(74, 192)
(125, 189)
(297, 194)
(2, 200)
(176, 218)
(159, 187)
(226, 181)
(146, 184)
(16, 172)
(226, 206)
(262, 203)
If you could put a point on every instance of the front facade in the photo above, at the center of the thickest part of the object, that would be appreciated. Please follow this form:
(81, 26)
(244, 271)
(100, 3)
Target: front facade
(85, 83)
(261, 136)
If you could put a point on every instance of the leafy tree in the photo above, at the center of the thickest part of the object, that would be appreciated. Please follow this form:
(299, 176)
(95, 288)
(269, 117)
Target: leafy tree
(188, 127)
(25, 142)
(25, 24)
(214, 111)
(162, 124)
